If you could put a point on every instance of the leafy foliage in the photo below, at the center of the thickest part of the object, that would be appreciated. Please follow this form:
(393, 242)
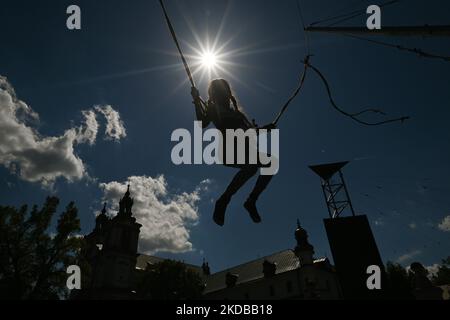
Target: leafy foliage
(170, 280)
(399, 282)
(33, 262)
(442, 277)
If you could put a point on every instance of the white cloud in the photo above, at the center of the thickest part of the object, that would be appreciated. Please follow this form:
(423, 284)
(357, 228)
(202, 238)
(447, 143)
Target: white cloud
(409, 256)
(115, 130)
(445, 224)
(88, 132)
(34, 157)
(166, 218)
(433, 270)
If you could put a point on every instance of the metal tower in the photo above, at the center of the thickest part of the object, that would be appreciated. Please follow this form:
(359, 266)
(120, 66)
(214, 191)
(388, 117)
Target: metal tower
(334, 189)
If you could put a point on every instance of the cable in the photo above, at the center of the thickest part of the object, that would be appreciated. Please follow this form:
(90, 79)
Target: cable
(353, 116)
(350, 15)
(306, 63)
(305, 68)
(332, 17)
(401, 48)
(303, 27)
(296, 92)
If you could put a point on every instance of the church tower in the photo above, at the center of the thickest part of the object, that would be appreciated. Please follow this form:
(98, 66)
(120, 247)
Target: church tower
(115, 262)
(304, 250)
(309, 275)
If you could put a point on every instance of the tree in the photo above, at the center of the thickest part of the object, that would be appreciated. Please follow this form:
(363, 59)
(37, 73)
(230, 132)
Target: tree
(33, 262)
(170, 280)
(442, 277)
(399, 282)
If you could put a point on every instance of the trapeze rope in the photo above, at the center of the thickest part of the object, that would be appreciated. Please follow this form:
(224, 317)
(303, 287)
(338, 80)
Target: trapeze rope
(305, 68)
(296, 92)
(354, 116)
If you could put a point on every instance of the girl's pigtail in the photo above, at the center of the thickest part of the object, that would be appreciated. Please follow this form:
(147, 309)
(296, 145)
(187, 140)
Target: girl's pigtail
(233, 100)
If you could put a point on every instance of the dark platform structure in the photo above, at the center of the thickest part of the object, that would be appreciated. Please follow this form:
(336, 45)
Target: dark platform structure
(351, 239)
(354, 249)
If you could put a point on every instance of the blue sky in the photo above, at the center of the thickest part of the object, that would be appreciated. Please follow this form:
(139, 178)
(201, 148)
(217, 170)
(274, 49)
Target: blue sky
(120, 58)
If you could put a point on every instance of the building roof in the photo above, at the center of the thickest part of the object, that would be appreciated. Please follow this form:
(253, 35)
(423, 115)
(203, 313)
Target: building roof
(285, 260)
(253, 270)
(143, 260)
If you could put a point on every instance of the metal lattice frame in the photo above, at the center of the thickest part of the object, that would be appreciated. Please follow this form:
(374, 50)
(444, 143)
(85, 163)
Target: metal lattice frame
(335, 192)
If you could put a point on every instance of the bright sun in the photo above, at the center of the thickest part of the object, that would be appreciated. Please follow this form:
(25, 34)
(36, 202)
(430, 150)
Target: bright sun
(209, 60)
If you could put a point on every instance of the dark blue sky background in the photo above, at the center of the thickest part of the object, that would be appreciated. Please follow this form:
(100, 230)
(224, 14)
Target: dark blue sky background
(117, 57)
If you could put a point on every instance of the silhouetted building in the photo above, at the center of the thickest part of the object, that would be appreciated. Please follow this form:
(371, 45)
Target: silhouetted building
(351, 240)
(145, 261)
(112, 253)
(289, 274)
(354, 250)
(115, 267)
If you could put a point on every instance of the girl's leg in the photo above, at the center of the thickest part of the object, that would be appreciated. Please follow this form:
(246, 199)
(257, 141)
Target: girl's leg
(260, 186)
(244, 174)
(250, 204)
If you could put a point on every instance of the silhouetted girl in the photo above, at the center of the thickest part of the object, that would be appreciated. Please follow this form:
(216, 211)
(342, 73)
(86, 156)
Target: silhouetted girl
(222, 110)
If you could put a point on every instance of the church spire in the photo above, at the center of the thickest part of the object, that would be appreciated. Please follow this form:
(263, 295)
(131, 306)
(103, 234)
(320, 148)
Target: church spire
(126, 203)
(205, 268)
(102, 219)
(304, 250)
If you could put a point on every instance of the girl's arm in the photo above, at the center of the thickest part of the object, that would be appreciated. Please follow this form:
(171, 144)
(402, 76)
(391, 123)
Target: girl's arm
(202, 114)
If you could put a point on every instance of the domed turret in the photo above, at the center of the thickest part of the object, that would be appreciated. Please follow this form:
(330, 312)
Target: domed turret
(300, 233)
(102, 219)
(304, 250)
(205, 268)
